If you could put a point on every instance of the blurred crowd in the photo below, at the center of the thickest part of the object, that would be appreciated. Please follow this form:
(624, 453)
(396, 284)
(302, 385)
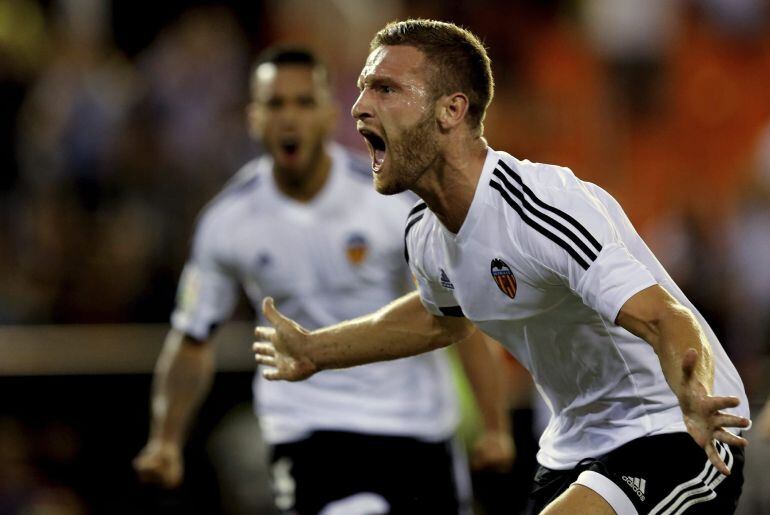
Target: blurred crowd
(119, 120)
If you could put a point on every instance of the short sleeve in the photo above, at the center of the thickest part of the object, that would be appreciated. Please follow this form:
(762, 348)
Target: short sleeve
(207, 290)
(436, 295)
(613, 278)
(570, 234)
(437, 299)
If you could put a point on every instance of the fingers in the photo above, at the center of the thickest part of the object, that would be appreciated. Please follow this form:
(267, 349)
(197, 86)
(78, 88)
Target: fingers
(713, 456)
(729, 438)
(267, 361)
(493, 451)
(272, 314)
(273, 374)
(718, 403)
(722, 419)
(263, 349)
(264, 334)
(157, 470)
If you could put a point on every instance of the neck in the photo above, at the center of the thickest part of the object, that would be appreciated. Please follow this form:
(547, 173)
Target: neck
(304, 186)
(448, 187)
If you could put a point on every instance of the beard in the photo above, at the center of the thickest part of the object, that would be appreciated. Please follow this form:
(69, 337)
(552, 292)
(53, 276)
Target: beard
(411, 155)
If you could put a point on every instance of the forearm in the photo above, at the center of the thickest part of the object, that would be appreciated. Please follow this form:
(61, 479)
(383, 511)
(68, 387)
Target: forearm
(678, 332)
(671, 329)
(183, 376)
(400, 329)
(485, 375)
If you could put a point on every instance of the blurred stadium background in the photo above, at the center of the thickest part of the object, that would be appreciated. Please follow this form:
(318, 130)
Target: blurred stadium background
(119, 119)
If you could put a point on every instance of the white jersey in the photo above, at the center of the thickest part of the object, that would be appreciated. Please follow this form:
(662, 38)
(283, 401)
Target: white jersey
(543, 263)
(336, 257)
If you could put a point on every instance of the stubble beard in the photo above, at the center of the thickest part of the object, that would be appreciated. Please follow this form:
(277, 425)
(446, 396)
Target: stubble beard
(411, 155)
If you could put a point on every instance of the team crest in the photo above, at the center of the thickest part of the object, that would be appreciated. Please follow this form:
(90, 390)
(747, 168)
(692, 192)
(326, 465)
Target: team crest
(503, 277)
(357, 249)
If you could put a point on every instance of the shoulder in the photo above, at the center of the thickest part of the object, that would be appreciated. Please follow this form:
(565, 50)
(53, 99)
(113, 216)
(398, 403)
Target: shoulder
(233, 198)
(533, 176)
(549, 210)
(356, 163)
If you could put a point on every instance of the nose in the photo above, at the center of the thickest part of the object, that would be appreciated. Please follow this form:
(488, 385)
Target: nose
(361, 109)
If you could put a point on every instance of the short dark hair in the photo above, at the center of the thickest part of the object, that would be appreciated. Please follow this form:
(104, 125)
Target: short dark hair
(279, 55)
(459, 59)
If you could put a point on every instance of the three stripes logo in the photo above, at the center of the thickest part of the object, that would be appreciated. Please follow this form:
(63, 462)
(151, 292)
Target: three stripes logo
(445, 282)
(553, 223)
(701, 488)
(637, 485)
(503, 277)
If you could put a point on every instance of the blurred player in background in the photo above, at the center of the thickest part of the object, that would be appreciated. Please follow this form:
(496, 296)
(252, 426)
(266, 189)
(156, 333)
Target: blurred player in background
(551, 267)
(303, 226)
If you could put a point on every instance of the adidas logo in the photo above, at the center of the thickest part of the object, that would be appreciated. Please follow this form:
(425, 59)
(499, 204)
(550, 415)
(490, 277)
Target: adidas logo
(445, 282)
(637, 484)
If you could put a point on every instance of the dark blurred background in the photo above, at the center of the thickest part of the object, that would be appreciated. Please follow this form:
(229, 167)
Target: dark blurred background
(120, 119)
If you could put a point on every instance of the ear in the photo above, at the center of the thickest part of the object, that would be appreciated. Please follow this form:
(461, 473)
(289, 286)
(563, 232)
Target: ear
(332, 116)
(255, 120)
(452, 110)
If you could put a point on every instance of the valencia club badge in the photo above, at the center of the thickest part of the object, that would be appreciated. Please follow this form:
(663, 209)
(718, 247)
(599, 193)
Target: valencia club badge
(503, 277)
(357, 249)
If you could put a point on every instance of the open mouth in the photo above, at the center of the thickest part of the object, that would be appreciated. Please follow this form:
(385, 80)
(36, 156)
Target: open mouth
(377, 148)
(290, 146)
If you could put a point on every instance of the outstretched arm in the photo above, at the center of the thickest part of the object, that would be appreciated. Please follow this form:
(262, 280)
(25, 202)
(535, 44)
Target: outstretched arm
(402, 328)
(493, 448)
(183, 376)
(686, 359)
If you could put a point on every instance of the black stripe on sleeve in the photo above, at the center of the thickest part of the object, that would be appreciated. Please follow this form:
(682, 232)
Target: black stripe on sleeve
(552, 209)
(406, 233)
(416, 209)
(454, 311)
(571, 251)
(547, 219)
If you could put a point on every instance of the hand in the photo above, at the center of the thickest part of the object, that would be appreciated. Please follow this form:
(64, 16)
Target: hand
(282, 349)
(763, 423)
(493, 450)
(703, 416)
(160, 464)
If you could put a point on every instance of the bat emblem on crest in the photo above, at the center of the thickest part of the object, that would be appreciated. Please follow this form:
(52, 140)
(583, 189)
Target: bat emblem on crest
(503, 277)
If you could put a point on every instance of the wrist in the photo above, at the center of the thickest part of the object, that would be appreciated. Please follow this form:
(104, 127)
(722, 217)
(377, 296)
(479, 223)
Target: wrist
(166, 443)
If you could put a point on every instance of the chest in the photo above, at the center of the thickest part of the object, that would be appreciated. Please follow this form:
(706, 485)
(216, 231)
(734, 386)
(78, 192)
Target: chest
(491, 280)
(285, 253)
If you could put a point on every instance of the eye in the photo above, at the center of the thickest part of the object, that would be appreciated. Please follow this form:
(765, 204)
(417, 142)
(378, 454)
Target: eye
(306, 102)
(384, 88)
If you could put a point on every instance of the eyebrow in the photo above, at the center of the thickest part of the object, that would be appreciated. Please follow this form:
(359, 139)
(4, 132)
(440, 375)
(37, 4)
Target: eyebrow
(375, 80)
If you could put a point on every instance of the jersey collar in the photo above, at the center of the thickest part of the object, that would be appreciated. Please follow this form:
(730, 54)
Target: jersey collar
(474, 211)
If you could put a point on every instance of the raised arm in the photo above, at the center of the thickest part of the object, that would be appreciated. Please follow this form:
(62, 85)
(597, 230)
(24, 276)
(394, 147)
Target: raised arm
(402, 328)
(183, 377)
(686, 359)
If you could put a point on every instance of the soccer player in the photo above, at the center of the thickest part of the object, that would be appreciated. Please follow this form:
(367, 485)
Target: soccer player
(551, 267)
(303, 225)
